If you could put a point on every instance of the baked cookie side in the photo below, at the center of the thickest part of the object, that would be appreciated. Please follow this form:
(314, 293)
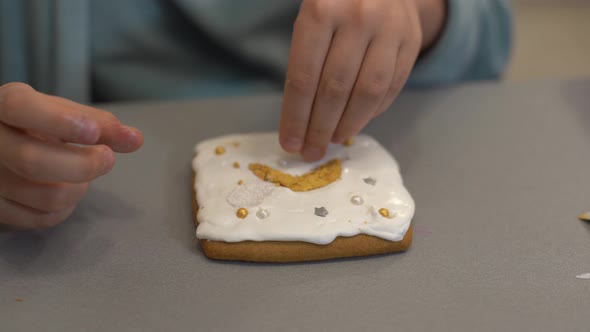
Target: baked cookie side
(297, 251)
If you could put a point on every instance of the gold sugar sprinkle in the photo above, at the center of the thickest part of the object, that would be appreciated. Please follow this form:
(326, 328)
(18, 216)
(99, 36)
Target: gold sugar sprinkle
(219, 150)
(236, 164)
(236, 144)
(241, 182)
(242, 213)
(348, 142)
(384, 212)
(585, 216)
(19, 299)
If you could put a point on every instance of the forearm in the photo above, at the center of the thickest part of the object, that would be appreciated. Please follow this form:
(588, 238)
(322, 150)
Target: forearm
(433, 14)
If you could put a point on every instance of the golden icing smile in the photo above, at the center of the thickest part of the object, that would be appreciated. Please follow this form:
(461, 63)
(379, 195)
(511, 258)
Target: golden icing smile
(317, 178)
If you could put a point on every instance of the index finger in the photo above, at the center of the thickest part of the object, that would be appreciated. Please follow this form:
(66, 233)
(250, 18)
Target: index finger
(24, 108)
(113, 133)
(309, 47)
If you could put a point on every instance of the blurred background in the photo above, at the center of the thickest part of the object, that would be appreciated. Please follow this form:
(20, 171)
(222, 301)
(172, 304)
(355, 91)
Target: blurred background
(552, 39)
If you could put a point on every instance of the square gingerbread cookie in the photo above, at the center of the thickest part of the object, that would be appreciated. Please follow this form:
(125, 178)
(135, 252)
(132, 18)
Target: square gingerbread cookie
(255, 202)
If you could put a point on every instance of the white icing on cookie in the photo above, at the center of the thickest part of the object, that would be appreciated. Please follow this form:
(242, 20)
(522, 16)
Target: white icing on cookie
(291, 214)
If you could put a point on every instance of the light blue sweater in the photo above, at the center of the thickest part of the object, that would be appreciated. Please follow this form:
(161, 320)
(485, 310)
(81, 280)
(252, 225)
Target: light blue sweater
(111, 50)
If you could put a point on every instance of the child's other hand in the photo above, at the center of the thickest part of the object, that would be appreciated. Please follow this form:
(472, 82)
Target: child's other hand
(42, 175)
(348, 61)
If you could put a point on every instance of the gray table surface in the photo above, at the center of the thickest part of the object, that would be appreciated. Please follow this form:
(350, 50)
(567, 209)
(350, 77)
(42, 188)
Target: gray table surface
(499, 173)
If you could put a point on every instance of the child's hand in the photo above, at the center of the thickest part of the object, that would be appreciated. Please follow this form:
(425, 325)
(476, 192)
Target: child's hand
(349, 59)
(42, 175)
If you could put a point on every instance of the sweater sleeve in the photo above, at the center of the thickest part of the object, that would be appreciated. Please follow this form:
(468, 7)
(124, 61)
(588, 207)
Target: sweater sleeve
(475, 44)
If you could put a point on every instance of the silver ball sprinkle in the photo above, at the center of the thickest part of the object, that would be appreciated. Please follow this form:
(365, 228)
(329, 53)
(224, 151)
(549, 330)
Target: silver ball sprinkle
(263, 214)
(357, 200)
(371, 181)
(282, 163)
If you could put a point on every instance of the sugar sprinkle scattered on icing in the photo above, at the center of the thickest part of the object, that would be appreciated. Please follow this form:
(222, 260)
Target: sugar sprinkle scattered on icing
(357, 200)
(250, 194)
(370, 181)
(242, 213)
(263, 214)
(348, 142)
(219, 150)
(321, 212)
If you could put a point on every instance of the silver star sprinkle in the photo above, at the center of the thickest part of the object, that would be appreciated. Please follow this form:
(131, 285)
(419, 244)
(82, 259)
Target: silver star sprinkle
(370, 181)
(263, 214)
(321, 212)
(357, 200)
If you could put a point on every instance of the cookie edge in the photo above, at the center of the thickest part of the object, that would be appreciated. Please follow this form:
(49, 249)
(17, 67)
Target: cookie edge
(297, 251)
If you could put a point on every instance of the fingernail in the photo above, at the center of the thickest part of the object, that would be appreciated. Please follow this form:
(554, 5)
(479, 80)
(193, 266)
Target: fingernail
(292, 144)
(338, 140)
(130, 132)
(132, 136)
(312, 153)
(88, 131)
(108, 159)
